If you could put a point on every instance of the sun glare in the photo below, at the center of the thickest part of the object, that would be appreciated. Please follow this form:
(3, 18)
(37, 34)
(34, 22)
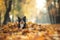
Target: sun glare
(40, 4)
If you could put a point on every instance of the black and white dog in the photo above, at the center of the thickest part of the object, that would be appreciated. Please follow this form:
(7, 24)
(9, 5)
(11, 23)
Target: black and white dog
(22, 22)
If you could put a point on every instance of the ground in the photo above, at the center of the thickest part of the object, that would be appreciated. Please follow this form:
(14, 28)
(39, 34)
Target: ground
(32, 31)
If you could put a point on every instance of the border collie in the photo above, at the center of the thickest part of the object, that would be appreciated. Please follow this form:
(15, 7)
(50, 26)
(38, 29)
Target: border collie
(22, 22)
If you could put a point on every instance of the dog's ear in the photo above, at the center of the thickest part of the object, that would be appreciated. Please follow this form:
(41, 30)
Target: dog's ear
(19, 19)
(24, 18)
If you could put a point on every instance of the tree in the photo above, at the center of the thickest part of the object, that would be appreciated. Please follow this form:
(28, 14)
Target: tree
(8, 4)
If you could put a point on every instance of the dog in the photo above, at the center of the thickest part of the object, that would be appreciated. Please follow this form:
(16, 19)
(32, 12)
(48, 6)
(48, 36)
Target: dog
(22, 22)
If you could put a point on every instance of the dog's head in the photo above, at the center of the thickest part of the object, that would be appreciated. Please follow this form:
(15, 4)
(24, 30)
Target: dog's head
(22, 21)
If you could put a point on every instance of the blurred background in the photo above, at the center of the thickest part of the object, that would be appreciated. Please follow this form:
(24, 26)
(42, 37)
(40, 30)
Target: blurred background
(36, 11)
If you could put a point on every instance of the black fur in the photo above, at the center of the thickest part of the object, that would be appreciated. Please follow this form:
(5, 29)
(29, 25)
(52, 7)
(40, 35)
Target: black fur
(20, 19)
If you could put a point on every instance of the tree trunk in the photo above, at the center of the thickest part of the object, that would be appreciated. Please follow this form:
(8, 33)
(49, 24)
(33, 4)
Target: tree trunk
(8, 9)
